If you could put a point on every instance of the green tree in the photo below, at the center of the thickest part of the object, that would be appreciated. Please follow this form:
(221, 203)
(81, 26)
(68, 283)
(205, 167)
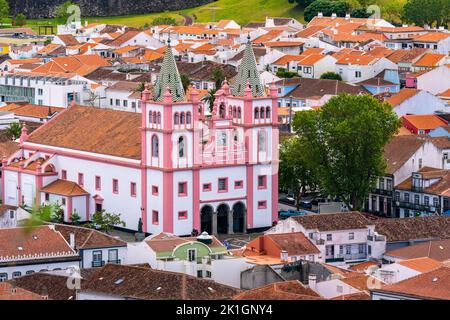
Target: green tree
(185, 81)
(14, 130)
(19, 20)
(344, 142)
(331, 75)
(105, 221)
(283, 73)
(431, 12)
(57, 214)
(61, 12)
(209, 98)
(294, 173)
(4, 10)
(327, 7)
(360, 13)
(75, 218)
(302, 3)
(164, 21)
(218, 76)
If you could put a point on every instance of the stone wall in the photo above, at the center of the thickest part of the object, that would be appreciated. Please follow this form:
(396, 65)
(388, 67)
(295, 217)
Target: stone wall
(36, 9)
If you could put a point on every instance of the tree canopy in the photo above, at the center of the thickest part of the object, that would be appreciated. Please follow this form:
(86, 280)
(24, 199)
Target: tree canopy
(327, 7)
(164, 21)
(294, 174)
(62, 12)
(344, 142)
(4, 9)
(331, 75)
(431, 12)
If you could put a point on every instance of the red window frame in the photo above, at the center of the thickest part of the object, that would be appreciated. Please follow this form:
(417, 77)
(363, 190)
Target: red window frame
(98, 183)
(133, 189)
(226, 185)
(264, 185)
(182, 215)
(63, 174)
(241, 184)
(185, 192)
(155, 217)
(155, 190)
(115, 186)
(81, 179)
(262, 204)
(207, 187)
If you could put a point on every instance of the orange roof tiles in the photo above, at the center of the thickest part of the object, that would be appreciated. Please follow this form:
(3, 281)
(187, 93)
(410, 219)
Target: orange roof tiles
(30, 110)
(64, 188)
(269, 36)
(284, 44)
(429, 60)
(432, 37)
(445, 94)
(23, 61)
(311, 59)
(78, 64)
(116, 133)
(357, 59)
(287, 58)
(37, 242)
(126, 49)
(430, 285)
(401, 96)
(287, 290)
(425, 121)
(8, 291)
(423, 264)
(308, 32)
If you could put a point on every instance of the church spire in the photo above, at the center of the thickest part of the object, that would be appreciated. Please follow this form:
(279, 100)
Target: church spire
(248, 73)
(169, 77)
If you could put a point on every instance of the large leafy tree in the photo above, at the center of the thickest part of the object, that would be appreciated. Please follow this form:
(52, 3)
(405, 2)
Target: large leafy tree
(302, 3)
(14, 130)
(327, 7)
(344, 142)
(62, 12)
(331, 75)
(294, 173)
(431, 12)
(4, 10)
(218, 76)
(105, 221)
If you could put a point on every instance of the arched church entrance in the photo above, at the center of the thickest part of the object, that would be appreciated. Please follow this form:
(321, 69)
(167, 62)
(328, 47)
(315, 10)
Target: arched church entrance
(223, 211)
(206, 219)
(239, 217)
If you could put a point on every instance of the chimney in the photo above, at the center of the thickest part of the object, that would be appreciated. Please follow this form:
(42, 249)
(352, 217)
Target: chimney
(72, 240)
(312, 281)
(320, 15)
(333, 15)
(284, 256)
(347, 16)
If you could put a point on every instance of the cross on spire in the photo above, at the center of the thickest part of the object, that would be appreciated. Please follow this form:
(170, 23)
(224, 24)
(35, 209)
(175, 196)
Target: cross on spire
(247, 72)
(169, 77)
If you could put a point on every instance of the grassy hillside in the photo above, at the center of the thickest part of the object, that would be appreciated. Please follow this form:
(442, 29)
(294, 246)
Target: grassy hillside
(242, 11)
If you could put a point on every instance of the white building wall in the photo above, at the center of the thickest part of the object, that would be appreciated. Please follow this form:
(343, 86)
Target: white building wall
(87, 255)
(49, 266)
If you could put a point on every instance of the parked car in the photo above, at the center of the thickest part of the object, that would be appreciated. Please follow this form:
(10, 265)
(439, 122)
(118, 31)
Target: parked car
(290, 213)
(290, 197)
(306, 203)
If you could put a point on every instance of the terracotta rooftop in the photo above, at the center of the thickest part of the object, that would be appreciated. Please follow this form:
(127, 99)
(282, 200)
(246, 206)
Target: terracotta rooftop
(86, 238)
(269, 36)
(362, 267)
(429, 60)
(414, 228)
(334, 221)
(432, 37)
(294, 243)
(308, 32)
(288, 290)
(36, 242)
(7, 148)
(401, 96)
(406, 55)
(424, 121)
(64, 188)
(400, 149)
(9, 291)
(68, 39)
(441, 142)
(434, 285)
(148, 284)
(354, 296)
(31, 110)
(53, 287)
(423, 264)
(438, 250)
(116, 133)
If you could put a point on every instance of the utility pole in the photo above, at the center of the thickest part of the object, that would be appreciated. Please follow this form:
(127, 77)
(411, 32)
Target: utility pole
(290, 113)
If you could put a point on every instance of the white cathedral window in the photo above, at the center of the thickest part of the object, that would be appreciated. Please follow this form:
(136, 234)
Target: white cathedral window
(181, 146)
(262, 141)
(155, 146)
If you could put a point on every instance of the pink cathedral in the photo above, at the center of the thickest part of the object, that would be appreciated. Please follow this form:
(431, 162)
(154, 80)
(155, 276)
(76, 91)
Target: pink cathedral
(170, 168)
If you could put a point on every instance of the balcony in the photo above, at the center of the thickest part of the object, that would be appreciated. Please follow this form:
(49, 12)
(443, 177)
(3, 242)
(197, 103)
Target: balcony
(383, 192)
(96, 264)
(114, 261)
(376, 238)
(352, 257)
(417, 207)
